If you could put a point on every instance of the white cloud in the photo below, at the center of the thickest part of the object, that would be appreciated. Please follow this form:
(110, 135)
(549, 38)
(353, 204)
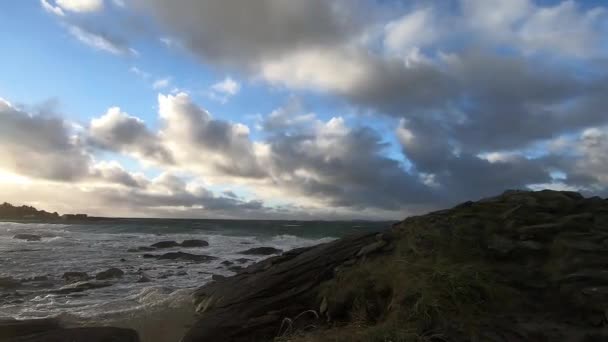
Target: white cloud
(228, 86)
(410, 32)
(81, 5)
(100, 42)
(56, 10)
(161, 83)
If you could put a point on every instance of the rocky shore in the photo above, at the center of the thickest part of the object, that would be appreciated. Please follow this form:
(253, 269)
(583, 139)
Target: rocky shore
(522, 266)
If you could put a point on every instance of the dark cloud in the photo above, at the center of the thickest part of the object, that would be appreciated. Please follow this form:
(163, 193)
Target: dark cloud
(39, 145)
(119, 132)
(242, 33)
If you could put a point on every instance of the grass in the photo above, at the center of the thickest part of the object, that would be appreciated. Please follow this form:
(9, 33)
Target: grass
(431, 284)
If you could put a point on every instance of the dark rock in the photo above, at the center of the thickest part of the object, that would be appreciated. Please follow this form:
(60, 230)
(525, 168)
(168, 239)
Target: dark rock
(81, 286)
(9, 283)
(242, 260)
(195, 243)
(218, 277)
(11, 328)
(109, 274)
(72, 277)
(261, 251)
(235, 268)
(227, 263)
(92, 334)
(165, 244)
(123, 260)
(27, 237)
(251, 305)
(35, 279)
(149, 256)
(186, 256)
(143, 279)
(141, 249)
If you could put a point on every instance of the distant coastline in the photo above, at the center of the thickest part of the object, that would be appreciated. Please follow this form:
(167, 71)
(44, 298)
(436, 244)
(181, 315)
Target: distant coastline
(29, 214)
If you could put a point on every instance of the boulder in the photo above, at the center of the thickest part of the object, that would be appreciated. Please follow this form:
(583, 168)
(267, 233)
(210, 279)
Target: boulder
(143, 279)
(165, 244)
(109, 274)
(11, 328)
(195, 243)
(81, 286)
(27, 237)
(186, 256)
(87, 334)
(261, 251)
(9, 283)
(72, 277)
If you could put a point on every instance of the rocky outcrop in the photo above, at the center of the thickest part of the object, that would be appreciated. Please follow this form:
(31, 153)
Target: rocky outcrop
(73, 277)
(181, 256)
(51, 330)
(165, 244)
(543, 253)
(109, 274)
(9, 283)
(194, 243)
(261, 251)
(251, 305)
(27, 237)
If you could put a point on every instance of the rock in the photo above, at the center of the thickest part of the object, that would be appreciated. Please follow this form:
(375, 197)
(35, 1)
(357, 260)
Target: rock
(9, 283)
(227, 263)
(109, 274)
(261, 251)
(27, 237)
(260, 296)
(143, 279)
(91, 334)
(123, 260)
(72, 277)
(165, 244)
(235, 268)
(81, 286)
(11, 328)
(35, 279)
(501, 245)
(242, 260)
(195, 243)
(149, 256)
(218, 277)
(186, 256)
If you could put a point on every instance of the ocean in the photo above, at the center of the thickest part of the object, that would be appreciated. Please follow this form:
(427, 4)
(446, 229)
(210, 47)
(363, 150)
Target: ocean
(93, 247)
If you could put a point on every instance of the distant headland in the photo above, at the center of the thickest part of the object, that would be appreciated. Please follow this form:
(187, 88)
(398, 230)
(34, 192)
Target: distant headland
(9, 212)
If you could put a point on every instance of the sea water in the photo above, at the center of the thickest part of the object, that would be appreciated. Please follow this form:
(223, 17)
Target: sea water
(97, 246)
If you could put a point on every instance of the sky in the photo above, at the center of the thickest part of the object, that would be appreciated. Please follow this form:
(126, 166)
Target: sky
(290, 109)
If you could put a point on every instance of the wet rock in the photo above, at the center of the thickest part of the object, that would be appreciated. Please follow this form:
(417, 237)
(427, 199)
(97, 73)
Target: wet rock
(262, 251)
(218, 277)
(72, 277)
(109, 274)
(195, 243)
(181, 273)
(35, 279)
(235, 268)
(141, 249)
(81, 286)
(165, 244)
(92, 334)
(149, 256)
(227, 263)
(123, 260)
(186, 256)
(143, 279)
(243, 260)
(9, 283)
(27, 237)
(12, 328)
(262, 295)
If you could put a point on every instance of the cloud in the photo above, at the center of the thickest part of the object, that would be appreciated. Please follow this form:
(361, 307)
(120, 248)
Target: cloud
(82, 6)
(101, 41)
(228, 86)
(56, 10)
(161, 83)
(198, 140)
(118, 131)
(39, 145)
